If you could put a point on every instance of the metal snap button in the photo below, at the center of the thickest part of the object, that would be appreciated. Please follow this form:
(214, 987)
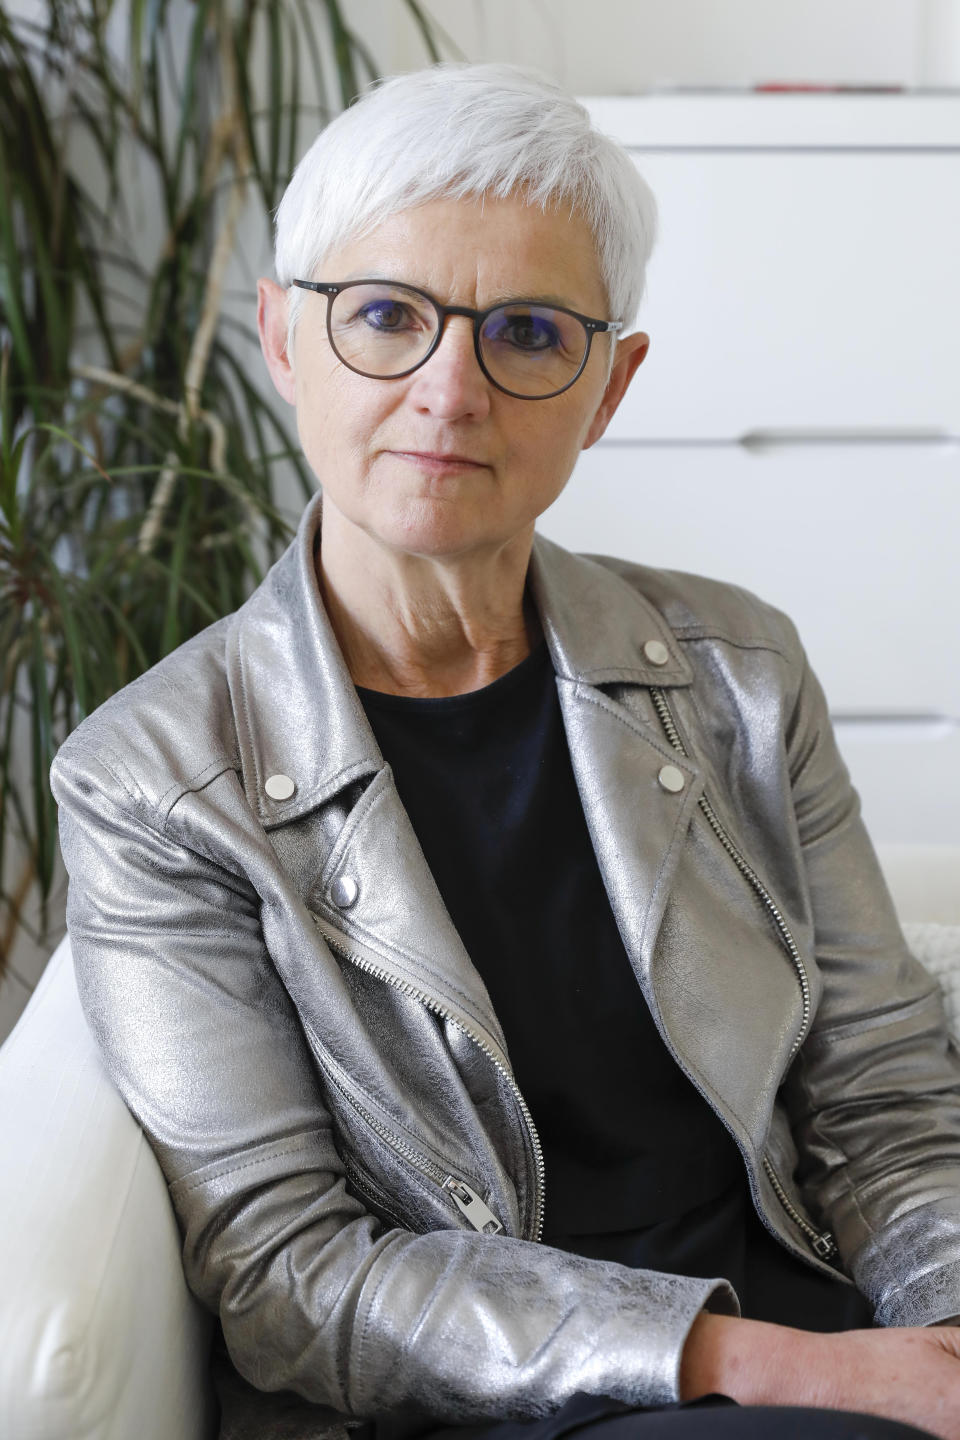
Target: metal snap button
(672, 779)
(344, 891)
(656, 652)
(279, 787)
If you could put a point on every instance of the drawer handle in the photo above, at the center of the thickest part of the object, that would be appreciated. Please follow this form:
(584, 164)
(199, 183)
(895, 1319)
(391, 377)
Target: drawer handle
(880, 725)
(769, 439)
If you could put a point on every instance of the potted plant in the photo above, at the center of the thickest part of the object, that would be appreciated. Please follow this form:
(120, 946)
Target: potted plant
(138, 459)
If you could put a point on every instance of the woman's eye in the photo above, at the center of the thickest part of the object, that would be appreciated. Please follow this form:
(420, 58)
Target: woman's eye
(384, 315)
(528, 332)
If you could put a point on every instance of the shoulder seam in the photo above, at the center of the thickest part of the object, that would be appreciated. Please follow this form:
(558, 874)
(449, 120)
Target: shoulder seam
(128, 785)
(692, 633)
(121, 775)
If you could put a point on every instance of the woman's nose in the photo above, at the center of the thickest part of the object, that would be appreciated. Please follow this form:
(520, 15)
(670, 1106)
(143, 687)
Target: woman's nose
(451, 384)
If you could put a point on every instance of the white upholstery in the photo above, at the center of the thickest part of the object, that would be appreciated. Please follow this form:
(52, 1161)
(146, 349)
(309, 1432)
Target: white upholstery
(924, 881)
(99, 1337)
(938, 947)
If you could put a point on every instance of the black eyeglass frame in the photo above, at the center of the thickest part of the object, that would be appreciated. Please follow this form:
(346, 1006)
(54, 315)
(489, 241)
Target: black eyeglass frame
(589, 323)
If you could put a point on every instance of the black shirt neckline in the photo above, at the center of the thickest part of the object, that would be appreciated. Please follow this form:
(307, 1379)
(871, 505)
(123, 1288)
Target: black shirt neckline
(528, 671)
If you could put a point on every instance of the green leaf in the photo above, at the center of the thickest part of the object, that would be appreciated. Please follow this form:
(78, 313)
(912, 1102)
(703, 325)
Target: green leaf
(70, 631)
(129, 633)
(342, 53)
(426, 33)
(275, 93)
(8, 712)
(293, 92)
(316, 57)
(431, 32)
(242, 32)
(198, 32)
(11, 280)
(42, 752)
(72, 440)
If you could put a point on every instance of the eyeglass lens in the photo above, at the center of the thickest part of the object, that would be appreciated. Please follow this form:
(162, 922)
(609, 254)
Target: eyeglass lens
(385, 330)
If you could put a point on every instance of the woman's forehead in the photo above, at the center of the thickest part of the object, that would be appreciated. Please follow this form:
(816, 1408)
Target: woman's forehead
(479, 250)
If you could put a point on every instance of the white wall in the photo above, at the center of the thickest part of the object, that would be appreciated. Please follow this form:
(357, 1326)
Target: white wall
(610, 47)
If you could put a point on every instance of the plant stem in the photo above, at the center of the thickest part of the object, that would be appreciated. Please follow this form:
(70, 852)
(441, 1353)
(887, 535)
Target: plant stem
(15, 902)
(230, 128)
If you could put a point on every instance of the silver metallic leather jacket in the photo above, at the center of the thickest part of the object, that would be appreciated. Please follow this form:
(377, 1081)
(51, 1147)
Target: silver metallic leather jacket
(287, 1009)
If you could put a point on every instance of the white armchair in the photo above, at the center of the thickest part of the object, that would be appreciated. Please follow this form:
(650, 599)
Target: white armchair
(99, 1337)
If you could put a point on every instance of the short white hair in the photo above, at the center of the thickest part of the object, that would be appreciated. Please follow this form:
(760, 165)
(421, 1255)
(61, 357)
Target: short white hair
(463, 131)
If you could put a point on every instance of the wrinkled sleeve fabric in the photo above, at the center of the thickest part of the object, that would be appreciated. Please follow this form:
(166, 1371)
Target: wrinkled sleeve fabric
(313, 1293)
(875, 1092)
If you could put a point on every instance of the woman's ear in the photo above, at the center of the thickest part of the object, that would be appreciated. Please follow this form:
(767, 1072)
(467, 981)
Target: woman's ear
(272, 328)
(629, 356)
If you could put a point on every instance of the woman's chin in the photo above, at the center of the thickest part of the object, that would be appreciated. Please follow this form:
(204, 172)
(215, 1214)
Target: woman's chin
(441, 531)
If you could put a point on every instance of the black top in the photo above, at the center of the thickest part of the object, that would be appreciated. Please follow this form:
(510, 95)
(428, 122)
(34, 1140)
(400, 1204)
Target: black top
(639, 1168)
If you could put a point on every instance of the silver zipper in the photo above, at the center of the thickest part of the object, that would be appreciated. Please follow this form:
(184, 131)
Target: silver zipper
(466, 1199)
(469, 1203)
(359, 1182)
(747, 870)
(821, 1242)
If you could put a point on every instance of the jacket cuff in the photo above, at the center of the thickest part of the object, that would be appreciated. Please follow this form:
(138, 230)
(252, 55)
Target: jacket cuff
(722, 1299)
(927, 1241)
(662, 1379)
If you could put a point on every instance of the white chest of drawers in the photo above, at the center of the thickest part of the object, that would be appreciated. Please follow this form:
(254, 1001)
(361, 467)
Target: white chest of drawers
(795, 427)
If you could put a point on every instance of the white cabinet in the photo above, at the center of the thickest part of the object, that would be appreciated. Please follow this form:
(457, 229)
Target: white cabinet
(795, 427)
(857, 544)
(798, 291)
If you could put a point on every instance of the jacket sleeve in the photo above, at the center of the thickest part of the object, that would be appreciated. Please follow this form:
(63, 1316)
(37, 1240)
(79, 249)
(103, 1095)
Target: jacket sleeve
(874, 1094)
(314, 1294)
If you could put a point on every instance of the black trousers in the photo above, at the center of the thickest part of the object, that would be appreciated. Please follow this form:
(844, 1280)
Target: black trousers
(714, 1417)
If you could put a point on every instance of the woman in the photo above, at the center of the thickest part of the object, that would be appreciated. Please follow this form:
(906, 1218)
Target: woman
(453, 863)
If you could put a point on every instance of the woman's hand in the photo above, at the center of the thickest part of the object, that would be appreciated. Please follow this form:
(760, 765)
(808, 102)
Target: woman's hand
(909, 1374)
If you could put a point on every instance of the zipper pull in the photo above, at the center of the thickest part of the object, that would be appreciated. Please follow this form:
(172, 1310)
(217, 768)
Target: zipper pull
(824, 1245)
(468, 1202)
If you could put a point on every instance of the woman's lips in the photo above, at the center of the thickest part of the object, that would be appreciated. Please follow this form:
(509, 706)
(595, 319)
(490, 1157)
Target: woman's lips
(437, 462)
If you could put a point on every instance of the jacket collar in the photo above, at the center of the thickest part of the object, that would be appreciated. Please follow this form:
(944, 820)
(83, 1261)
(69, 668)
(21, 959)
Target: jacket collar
(298, 714)
(596, 624)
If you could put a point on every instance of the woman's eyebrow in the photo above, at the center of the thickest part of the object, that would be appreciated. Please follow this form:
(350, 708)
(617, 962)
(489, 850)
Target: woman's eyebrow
(507, 297)
(513, 297)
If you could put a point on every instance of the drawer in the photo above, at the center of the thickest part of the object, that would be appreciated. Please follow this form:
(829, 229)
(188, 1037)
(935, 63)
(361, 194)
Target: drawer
(746, 119)
(909, 786)
(924, 881)
(800, 290)
(859, 544)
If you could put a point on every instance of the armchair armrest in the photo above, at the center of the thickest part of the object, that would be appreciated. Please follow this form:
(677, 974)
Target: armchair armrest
(99, 1336)
(937, 947)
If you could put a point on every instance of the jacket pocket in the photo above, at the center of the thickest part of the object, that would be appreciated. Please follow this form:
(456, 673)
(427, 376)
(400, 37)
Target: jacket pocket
(365, 1188)
(459, 1197)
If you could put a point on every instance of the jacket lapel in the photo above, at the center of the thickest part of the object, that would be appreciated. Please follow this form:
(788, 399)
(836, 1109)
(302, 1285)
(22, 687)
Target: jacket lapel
(298, 715)
(397, 921)
(649, 842)
(637, 827)
(597, 628)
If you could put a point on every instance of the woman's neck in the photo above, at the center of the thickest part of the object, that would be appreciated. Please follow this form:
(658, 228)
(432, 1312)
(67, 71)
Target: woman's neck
(415, 625)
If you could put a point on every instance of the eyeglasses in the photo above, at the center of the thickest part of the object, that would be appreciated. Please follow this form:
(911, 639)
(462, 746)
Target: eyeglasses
(385, 330)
